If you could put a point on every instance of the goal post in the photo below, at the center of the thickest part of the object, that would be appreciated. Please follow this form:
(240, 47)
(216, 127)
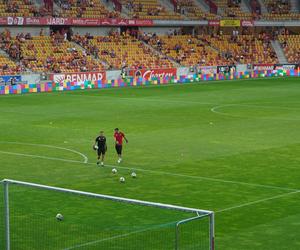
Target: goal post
(97, 221)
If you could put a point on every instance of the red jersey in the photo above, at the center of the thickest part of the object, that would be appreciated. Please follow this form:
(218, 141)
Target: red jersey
(119, 137)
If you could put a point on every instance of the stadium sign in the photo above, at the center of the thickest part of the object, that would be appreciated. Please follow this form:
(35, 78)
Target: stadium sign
(57, 21)
(148, 74)
(78, 77)
(226, 68)
(247, 23)
(208, 69)
(7, 79)
(33, 21)
(214, 22)
(3, 20)
(264, 66)
(15, 20)
(230, 23)
(287, 66)
(85, 22)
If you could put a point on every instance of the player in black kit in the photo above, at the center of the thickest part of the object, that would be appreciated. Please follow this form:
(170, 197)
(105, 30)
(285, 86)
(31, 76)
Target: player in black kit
(101, 147)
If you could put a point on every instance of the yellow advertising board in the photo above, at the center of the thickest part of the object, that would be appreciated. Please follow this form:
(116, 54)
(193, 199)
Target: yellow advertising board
(230, 23)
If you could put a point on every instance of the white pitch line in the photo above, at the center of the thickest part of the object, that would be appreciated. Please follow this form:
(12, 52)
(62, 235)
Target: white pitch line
(49, 146)
(157, 172)
(203, 178)
(116, 237)
(215, 110)
(40, 156)
(257, 201)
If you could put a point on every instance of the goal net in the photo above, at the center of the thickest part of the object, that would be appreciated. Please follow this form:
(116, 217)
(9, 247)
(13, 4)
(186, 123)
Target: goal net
(95, 221)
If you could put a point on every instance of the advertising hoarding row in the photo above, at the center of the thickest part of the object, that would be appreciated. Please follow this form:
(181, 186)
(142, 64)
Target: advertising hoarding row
(282, 66)
(21, 21)
(169, 72)
(231, 23)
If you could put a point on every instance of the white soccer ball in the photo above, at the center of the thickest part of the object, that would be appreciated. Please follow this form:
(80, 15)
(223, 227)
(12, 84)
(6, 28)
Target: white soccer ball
(59, 217)
(114, 171)
(122, 179)
(133, 175)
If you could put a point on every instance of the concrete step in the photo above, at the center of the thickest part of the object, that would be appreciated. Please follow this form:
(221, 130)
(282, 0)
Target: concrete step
(295, 5)
(263, 7)
(245, 6)
(80, 48)
(202, 5)
(157, 52)
(279, 51)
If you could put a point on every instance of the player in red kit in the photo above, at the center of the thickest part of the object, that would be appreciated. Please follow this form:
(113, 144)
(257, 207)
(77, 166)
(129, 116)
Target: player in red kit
(119, 136)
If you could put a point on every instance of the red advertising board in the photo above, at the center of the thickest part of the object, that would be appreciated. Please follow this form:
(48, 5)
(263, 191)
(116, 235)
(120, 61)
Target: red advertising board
(78, 77)
(149, 73)
(265, 66)
(113, 21)
(247, 23)
(74, 21)
(214, 22)
(3, 20)
(140, 22)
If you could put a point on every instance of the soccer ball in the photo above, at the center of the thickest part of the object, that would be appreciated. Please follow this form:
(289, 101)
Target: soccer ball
(133, 175)
(122, 179)
(59, 217)
(114, 171)
(95, 147)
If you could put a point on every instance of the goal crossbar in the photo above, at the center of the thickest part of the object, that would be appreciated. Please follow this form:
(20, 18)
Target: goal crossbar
(109, 197)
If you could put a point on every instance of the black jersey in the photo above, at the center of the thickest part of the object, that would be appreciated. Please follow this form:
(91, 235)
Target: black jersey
(101, 141)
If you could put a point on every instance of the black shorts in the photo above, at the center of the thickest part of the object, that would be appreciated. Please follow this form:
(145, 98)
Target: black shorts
(101, 151)
(119, 149)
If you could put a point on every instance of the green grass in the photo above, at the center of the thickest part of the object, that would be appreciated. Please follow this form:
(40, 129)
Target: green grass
(219, 146)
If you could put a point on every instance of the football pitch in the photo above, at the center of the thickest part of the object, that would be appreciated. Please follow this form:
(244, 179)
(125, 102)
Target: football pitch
(231, 147)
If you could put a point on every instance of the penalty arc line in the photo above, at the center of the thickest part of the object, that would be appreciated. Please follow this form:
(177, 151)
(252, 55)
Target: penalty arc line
(155, 172)
(216, 108)
(85, 158)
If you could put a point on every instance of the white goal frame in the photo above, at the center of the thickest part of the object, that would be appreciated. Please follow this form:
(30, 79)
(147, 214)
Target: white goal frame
(200, 213)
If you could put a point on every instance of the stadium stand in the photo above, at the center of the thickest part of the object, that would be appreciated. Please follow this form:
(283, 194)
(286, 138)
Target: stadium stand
(186, 50)
(232, 9)
(291, 47)
(25, 8)
(243, 48)
(149, 9)
(7, 66)
(85, 9)
(216, 49)
(122, 50)
(279, 10)
(191, 10)
(48, 53)
(278, 6)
